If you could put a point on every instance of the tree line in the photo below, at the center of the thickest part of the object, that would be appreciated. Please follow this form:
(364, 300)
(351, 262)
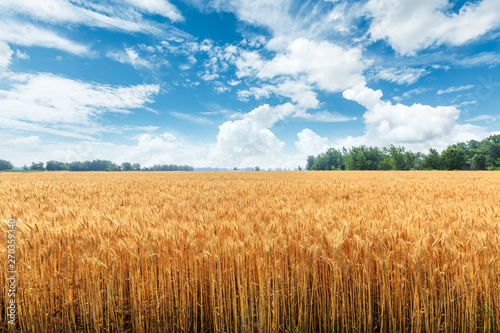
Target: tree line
(95, 165)
(471, 155)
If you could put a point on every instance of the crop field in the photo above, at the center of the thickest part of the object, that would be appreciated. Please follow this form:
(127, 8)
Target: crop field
(253, 251)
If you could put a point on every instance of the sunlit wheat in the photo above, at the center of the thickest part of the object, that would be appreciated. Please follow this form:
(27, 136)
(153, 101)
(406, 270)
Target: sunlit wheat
(255, 252)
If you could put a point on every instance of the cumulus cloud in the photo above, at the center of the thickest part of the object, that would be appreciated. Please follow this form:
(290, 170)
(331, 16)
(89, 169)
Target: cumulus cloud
(310, 143)
(300, 67)
(413, 126)
(249, 140)
(331, 67)
(410, 25)
(165, 148)
(47, 102)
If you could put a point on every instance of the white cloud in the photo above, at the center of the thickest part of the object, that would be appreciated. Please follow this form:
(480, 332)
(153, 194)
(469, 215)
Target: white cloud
(410, 25)
(324, 116)
(22, 55)
(454, 89)
(412, 126)
(48, 103)
(299, 92)
(404, 75)
(311, 143)
(30, 35)
(160, 7)
(32, 140)
(484, 117)
(309, 19)
(23, 144)
(485, 58)
(250, 141)
(299, 67)
(163, 149)
(113, 15)
(131, 57)
(190, 117)
(410, 93)
(61, 11)
(330, 66)
(5, 55)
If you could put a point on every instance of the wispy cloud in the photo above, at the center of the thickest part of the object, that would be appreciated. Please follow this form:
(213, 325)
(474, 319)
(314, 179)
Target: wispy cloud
(131, 57)
(27, 34)
(324, 116)
(454, 89)
(481, 59)
(61, 106)
(191, 118)
(485, 117)
(403, 75)
(124, 15)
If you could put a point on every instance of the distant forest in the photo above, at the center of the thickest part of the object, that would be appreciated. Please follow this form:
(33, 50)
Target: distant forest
(471, 155)
(95, 165)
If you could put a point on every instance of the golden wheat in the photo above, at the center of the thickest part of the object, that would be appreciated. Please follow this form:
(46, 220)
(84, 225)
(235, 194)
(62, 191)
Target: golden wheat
(256, 251)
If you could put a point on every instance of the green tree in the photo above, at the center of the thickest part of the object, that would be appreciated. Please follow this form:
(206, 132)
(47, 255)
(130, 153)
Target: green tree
(385, 164)
(76, 166)
(257, 168)
(356, 159)
(478, 162)
(491, 146)
(310, 162)
(409, 160)
(5, 165)
(432, 161)
(453, 159)
(397, 155)
(56, 166)
(334, 160)
(419, 160)
(37, 166)
(127, 166)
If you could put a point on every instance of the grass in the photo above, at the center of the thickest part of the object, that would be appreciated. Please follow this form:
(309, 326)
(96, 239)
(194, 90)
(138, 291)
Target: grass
(255, 251)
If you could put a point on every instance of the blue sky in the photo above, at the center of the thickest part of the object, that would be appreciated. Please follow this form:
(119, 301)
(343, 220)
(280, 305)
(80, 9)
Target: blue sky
(227, 83)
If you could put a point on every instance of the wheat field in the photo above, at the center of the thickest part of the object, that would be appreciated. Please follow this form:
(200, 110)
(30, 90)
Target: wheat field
(254, 251)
